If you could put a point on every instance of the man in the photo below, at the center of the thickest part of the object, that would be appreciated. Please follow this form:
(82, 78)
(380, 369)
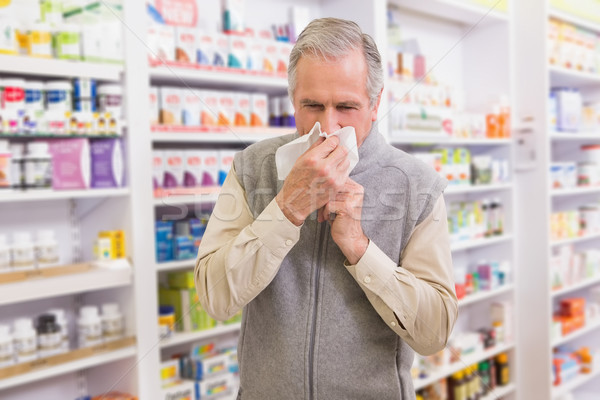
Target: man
(339, 275)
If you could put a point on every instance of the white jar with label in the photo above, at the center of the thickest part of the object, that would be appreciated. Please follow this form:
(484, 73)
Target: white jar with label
(13, 103)
(46, 249)
(49, 337)
(110, 99)
(38, 166)
(23, 255)
(25, 340)
(4, 254)
(58, 96)
(89, 326)
(61, 320)
(6, 347)
(113, 326)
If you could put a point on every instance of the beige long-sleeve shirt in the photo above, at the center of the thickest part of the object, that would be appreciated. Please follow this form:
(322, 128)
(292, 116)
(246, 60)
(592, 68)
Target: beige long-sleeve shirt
(239, 256)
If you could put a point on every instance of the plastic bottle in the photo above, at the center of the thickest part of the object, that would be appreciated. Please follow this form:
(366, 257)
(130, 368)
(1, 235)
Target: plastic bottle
(498, 331)
(6, 347)
(459, 386)
(25, 340)
(5, 165)
(166, 321)
(484, 373)
(112, 322)
(485, 208)
(504, 117)
(38, 166)
(502, 369)
(4, 254)
(61, 320)
(89, 326)
(498, 216)
(49, 336)
(46, 249)
(17, 172)
(23, 257)
(492, 123)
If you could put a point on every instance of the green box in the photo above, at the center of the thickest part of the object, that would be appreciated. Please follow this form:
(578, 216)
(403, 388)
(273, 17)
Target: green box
(181, 280)
(189, 314)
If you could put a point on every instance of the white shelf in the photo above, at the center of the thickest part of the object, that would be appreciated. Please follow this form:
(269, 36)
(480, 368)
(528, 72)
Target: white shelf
(107, 275)
(226, 78)
(186, 199)
(68, 367)
(574, 383)
(575, 136)
(563, 77)
(186, 337)
(473, 244)
(176, 265)
(456, 11)
(43, 195)
(574, 240)
(575, 191)
(48, 67)
(416, 138)
(500, 392)
(484, 295)
(463, 189)
(580, 22)
(577, 286)
(589, 327)
(236, 135)
(464, 362)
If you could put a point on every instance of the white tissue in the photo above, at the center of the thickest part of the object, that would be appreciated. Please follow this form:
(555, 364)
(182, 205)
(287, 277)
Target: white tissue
(286, 155)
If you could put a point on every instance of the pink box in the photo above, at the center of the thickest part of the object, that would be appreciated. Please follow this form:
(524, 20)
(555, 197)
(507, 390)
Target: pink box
(70, 163)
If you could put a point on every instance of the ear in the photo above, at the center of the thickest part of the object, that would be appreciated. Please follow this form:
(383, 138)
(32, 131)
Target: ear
(376, 107)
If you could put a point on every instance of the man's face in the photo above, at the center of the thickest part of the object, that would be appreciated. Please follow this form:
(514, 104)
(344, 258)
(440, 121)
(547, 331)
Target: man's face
(335, 94)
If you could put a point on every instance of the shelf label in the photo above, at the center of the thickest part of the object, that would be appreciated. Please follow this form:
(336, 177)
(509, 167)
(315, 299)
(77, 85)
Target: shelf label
(584, 9)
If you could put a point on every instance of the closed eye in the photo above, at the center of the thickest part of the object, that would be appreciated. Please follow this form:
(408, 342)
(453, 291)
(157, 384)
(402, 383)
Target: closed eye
(346, 108)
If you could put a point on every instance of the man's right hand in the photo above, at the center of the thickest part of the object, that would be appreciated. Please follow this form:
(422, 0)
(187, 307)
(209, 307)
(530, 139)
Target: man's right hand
(315, 178)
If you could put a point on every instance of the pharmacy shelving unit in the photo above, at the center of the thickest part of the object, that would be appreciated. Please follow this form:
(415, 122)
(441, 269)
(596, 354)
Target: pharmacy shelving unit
(76, 216)
(460, 39)
(537, 147)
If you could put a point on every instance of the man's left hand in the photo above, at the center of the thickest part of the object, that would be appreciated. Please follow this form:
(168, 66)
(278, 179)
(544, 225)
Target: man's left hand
(346, 228)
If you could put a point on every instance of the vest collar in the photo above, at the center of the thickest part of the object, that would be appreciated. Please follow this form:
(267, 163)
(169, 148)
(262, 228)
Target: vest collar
(370, 150)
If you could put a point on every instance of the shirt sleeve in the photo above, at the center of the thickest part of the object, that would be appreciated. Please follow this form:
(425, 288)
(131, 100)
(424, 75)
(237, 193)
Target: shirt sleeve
(239, 255)
(417, 298)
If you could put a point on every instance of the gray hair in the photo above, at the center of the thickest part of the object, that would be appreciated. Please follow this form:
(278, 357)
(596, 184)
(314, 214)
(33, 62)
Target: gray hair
(332, 38)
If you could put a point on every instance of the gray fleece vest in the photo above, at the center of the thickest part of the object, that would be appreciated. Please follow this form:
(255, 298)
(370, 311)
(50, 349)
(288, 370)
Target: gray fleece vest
(312, 333)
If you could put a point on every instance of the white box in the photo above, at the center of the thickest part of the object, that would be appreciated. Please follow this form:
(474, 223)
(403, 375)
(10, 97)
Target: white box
(154, 109)
(174, 168)
(182, 390)
(210, 108)
(171, 103)
(193, 169)
(225, 163)
(192, 107)
(242, 109)
(186, 45)
(259, 112)
(158, 168)
(161, 43)
(210, 165)
(226, 108)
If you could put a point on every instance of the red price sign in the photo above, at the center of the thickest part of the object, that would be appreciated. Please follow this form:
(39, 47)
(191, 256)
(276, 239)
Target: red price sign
(178, 12)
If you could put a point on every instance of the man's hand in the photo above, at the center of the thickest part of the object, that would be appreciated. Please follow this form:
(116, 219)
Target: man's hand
(316, 177)
(346, 229)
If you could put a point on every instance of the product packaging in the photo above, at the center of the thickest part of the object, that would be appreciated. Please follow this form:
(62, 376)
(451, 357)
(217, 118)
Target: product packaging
(226, 108)
(46, 249)
(161, 42)
(117, 242)
(171, 103)
(110, 100)
(233, 16)
(210, 108)
(70, 164)
(5, 165)
(270, 56)
(193, 169)
(221, 50)
(39, 166)
(225, 163)
(259, 113)
(164, 240)
(67, 42)
(205, 54)
(180, 390)
(185, 44)
(242, 109)
(158, 168)
(89, 327)
(107, 163)
(192, 107)
(210, 165)
(287, 111)
(154, 109)
(238, 52)
(174, 169)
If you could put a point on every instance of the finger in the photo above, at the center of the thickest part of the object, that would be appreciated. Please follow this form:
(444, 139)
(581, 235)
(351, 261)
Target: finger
(343, 166)
(320, 216)
(327, 146)
(319, 140)
(338, 155)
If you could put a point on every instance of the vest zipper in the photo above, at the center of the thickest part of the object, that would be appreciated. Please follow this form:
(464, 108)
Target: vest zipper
(323, 228)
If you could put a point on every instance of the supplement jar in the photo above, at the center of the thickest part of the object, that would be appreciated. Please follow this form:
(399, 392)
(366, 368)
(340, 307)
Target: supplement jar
(25, 340)
(58, 96)
(166, 321)
(89, 326)
(38, 166)
(49, 337)
(46, 249)
(61, 320)
(6, 347)
(113, 327)
(22, 252)
(110, 99)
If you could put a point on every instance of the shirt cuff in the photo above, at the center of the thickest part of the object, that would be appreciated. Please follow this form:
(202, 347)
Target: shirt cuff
(373, 269)
(275, 231)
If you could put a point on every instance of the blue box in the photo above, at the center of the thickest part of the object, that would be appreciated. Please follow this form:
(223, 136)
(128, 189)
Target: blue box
(164, 241)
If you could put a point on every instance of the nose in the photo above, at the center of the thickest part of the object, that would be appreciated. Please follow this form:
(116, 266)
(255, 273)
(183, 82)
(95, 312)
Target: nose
(330, 121)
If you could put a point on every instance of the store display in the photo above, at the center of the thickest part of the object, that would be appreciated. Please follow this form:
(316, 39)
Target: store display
(573, 47)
